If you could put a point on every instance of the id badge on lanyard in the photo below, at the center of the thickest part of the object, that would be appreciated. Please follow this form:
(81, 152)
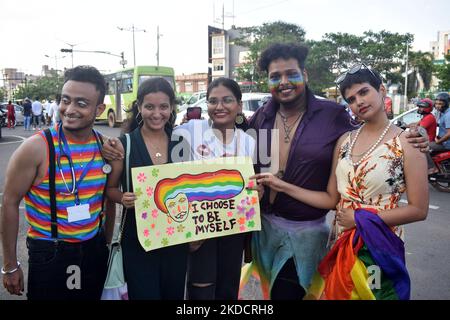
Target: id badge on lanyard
(78, 212)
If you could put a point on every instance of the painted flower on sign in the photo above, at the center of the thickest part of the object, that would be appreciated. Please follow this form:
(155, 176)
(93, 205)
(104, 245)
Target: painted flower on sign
(141, 177)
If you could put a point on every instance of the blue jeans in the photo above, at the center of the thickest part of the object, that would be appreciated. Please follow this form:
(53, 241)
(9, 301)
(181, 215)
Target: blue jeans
(27, 122)
(66, 271)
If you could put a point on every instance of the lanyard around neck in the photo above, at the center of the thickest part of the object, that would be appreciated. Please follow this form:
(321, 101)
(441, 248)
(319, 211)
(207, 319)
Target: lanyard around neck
(64, 151)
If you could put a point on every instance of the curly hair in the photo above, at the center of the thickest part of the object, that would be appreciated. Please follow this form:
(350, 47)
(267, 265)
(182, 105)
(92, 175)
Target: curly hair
(283, 51)
(88, 74)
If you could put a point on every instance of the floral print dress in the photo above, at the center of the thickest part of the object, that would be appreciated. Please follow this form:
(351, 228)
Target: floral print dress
(377, 183)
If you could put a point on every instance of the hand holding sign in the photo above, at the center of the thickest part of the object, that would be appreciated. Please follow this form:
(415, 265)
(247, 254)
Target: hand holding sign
(194, 201)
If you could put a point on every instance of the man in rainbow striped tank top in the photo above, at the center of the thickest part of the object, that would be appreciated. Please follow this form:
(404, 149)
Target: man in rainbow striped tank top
(61, 174)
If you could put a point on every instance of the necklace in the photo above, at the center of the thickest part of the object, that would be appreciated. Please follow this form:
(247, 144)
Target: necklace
(368, 152)
(288, 128)
(156, 151)
(158, 154)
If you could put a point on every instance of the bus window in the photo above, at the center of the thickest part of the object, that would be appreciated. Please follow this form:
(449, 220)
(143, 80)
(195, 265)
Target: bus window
(110, 84)
(127, 85)
(142, 78)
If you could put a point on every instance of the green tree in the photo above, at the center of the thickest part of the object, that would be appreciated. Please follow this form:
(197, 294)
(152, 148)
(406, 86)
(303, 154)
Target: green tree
(384, 51)
(2, 94)
(44, 87)
(257, 38)
(422, 64)
(320, 64)
(442, 72)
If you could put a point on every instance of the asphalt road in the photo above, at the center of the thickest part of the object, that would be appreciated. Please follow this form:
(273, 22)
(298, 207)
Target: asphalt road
(427, 242)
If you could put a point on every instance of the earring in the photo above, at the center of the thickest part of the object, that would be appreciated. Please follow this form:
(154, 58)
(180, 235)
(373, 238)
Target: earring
(137, 118)
(239, 119)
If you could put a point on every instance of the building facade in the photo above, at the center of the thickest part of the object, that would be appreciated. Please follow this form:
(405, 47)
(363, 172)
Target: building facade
(192, 83)
(12, 78)
(224, 56)
(441, 47)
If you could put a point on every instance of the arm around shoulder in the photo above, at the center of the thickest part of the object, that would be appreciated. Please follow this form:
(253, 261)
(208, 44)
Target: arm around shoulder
(112, 191)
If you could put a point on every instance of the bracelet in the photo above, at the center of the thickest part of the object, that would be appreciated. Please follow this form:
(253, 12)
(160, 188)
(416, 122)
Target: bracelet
(3, 271)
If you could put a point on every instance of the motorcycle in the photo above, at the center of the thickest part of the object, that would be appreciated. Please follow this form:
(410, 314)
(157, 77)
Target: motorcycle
(441, 179)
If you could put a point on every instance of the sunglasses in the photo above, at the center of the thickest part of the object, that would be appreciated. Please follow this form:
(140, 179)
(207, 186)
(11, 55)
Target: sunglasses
(354, 69)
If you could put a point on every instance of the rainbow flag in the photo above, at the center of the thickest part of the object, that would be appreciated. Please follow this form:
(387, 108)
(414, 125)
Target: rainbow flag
(366, 263)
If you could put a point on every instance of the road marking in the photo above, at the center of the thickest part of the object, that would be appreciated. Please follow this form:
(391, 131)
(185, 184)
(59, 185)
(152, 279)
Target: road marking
(430, 206)
(11, 142)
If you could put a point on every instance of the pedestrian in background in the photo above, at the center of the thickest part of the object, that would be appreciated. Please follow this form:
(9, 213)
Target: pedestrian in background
(45, 109)
(53, 112)
(36, 108)
(442, 141)
(11, 115)
(27, 114)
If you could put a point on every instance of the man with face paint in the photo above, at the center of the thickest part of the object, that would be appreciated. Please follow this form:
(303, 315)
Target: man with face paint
(301, 134)
(298, 132)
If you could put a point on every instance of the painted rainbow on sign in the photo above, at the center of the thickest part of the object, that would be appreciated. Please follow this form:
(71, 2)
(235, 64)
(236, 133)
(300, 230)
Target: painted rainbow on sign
(208, 186)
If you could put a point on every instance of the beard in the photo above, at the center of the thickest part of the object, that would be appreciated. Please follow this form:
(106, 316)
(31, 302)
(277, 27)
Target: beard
(292, 101)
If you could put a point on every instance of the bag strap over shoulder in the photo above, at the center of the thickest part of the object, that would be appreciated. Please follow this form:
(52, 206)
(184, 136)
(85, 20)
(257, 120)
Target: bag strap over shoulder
(127, 176)
(127, 161)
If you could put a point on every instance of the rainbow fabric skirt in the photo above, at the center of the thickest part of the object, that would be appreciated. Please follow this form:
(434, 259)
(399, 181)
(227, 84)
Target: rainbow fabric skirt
(365, 263)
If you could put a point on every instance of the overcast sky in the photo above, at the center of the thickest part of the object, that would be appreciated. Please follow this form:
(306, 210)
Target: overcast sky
(29, 29)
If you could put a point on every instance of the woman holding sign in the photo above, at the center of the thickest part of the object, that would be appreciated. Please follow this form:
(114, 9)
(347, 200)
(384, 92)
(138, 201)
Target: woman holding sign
(215, 264)
(157, 274)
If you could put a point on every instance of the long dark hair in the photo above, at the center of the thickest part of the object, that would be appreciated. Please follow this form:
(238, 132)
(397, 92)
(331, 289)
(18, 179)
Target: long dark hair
(152, 85)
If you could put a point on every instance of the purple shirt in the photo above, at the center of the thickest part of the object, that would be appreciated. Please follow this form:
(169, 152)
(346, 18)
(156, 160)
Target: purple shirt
(311, 154)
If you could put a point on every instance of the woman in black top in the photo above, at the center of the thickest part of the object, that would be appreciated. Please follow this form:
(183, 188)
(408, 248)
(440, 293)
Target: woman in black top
(157, 274)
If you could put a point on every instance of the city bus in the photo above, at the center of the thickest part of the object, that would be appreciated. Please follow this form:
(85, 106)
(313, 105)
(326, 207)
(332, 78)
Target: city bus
(122, 86)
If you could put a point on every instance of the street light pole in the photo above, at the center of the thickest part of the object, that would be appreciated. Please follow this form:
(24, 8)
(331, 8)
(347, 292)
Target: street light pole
(56, 60)
(406, 77)
(123, 62)
(132, 29)
(158, 35)
(134, 46)
(71, 50)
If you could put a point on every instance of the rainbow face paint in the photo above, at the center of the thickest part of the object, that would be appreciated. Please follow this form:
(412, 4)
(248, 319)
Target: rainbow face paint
(295, 81)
